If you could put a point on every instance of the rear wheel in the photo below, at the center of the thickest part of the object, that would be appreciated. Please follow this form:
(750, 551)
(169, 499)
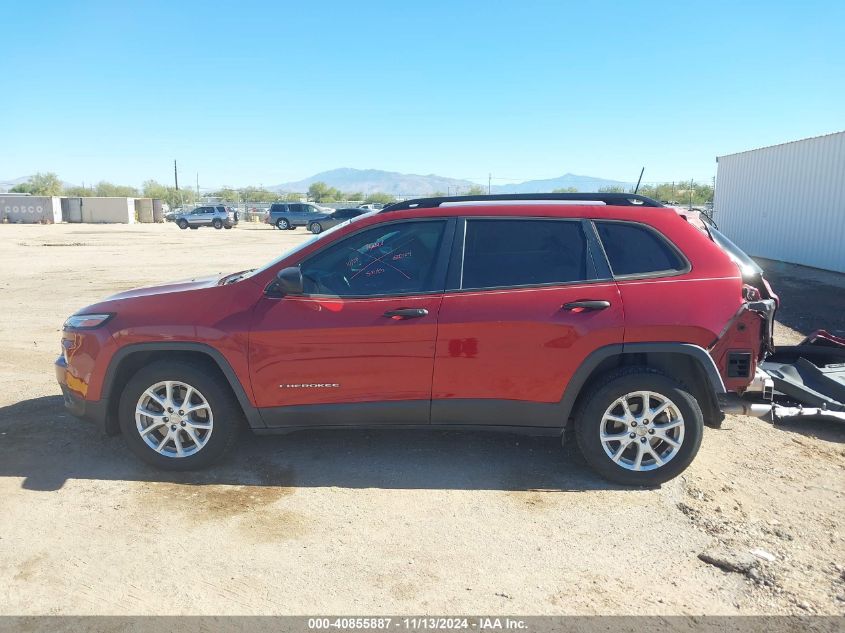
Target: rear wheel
(316, 228)
(217, 223)
(178, 416)
(182, 224)
(282, 224)
(639, 427)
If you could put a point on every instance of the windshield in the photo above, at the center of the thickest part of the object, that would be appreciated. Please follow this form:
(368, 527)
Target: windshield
(747, 266)
(300, 247)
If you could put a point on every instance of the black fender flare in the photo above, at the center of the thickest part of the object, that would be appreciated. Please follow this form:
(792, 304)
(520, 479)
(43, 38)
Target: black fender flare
(595, 358)
(252, 414)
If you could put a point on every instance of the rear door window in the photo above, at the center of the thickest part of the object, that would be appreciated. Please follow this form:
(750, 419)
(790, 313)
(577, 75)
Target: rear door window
(634, 249)
(524, 252)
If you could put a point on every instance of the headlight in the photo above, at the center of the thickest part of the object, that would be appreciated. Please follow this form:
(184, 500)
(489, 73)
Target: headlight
(86, 321)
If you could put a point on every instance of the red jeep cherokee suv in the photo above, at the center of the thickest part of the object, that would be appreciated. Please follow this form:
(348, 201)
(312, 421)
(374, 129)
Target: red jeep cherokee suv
(609, 313)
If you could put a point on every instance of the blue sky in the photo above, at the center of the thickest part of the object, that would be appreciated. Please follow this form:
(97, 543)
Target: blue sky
(263, 93)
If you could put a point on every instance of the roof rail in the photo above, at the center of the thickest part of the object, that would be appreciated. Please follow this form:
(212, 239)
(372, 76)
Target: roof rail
(616, 199)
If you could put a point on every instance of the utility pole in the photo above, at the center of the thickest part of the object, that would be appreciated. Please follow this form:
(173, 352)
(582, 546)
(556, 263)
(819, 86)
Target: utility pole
(175, 175)
(198, 186)
(691, 189)
(489, 179)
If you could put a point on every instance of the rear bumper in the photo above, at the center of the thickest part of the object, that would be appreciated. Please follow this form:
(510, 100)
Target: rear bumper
(93, 411)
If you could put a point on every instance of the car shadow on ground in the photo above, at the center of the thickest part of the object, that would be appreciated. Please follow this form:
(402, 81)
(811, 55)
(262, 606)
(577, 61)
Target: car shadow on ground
(46, 446)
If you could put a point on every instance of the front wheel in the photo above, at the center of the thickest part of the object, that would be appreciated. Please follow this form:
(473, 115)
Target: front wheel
(316, 228)
(182, 224)
(639, 427)
(178, 416)
(282, 224)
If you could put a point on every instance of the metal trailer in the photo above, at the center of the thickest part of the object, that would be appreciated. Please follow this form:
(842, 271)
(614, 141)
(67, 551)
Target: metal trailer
(786, 202)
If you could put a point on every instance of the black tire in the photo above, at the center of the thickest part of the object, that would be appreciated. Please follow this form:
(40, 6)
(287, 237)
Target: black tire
(316, 228)
(217, 223)
(227, 415)
(282, 224)
(614, 385)
(182, 224)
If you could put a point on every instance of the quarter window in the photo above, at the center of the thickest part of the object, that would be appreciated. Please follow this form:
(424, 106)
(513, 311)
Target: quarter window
(523, 252)
(388, 259)
(633, 249)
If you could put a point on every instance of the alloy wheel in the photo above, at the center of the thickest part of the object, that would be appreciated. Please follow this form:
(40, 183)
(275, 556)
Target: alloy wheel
(174, 419)
(642, 430)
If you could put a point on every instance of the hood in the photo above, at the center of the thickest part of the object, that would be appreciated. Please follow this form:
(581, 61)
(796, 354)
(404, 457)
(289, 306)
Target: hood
(173, 286)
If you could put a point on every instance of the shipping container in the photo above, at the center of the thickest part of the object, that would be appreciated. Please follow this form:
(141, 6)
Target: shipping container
(108, 210)
(30, 209)
(786, 202)
(144, 210)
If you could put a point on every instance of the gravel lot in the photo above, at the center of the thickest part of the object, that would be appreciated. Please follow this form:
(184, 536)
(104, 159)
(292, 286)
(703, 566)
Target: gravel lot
(383, 522)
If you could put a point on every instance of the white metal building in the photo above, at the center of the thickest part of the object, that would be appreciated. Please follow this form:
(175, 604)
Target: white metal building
(786, 202)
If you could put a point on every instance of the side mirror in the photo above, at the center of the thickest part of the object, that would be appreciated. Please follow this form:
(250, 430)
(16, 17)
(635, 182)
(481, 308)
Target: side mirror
(290, 280)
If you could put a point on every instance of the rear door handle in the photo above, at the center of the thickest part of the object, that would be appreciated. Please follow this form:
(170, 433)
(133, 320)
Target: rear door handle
(586, 304)
(406, 313)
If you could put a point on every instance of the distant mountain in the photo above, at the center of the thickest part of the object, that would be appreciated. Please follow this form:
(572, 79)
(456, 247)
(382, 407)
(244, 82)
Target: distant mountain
(5, 185)
(372, 180)
(581, 183)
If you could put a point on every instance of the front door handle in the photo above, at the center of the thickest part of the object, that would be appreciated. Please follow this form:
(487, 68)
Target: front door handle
(586, 304)
(406, 313)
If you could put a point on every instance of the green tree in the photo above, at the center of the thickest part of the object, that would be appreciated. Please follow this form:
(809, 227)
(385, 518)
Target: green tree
(437, 194)
(46, 184)
(105, 189)
(682, 192)
(227, 194)
(612, 189)
(293, 197)
(257, 194)
(379, 197)
(475, 190)
(173, 197)
(78, 192)
(565, 190)
(355, 195)
(318, 191)
(321, 192)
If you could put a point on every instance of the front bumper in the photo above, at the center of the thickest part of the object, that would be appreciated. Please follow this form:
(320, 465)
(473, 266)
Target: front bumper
(94, 411)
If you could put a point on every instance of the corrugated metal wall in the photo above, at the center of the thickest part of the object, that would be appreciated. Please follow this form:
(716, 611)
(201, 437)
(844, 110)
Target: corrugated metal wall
(786, 202)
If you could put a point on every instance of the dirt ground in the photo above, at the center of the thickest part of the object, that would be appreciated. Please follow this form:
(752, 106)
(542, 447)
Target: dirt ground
(384, 522)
